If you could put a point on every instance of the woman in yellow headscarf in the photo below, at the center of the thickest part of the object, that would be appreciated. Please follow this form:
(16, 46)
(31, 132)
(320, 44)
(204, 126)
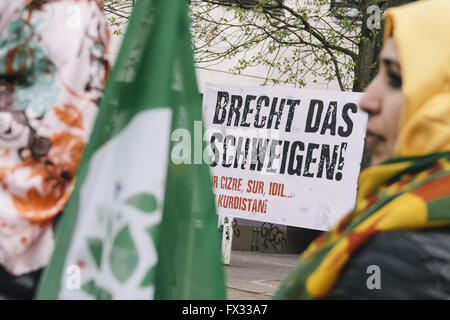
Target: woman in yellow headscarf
(396, 242)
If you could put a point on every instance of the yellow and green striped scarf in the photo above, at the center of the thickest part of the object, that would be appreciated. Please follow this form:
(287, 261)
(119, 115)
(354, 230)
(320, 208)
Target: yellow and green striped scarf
(400, 194)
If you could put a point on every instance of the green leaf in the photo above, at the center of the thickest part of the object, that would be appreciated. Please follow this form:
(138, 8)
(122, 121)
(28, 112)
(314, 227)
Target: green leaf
(149, 278)
(95, 246)
(153, 232)
(144, 202)
(97, 292)
(124, 256)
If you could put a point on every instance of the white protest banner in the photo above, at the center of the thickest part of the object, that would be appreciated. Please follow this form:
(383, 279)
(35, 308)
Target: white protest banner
(283, 155)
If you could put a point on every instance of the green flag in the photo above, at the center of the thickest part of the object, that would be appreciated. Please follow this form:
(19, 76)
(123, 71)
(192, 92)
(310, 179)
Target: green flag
(138, 226)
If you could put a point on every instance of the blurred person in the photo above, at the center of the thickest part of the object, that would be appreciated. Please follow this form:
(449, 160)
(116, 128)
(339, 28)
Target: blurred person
(396, 242)
(52, 72)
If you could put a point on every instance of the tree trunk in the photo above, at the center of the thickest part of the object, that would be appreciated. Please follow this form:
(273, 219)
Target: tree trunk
(367, 63)
(369, 47)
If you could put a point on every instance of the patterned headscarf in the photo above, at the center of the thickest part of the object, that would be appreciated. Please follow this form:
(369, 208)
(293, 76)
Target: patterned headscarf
(52, 72)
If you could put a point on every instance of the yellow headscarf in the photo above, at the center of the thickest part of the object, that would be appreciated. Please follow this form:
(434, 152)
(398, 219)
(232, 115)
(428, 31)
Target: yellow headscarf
(422, 33)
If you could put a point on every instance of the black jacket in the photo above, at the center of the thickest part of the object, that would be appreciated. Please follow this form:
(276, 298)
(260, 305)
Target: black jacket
(412, 265)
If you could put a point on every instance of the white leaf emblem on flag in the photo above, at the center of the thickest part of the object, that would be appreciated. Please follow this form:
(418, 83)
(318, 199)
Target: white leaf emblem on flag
(120, 210)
